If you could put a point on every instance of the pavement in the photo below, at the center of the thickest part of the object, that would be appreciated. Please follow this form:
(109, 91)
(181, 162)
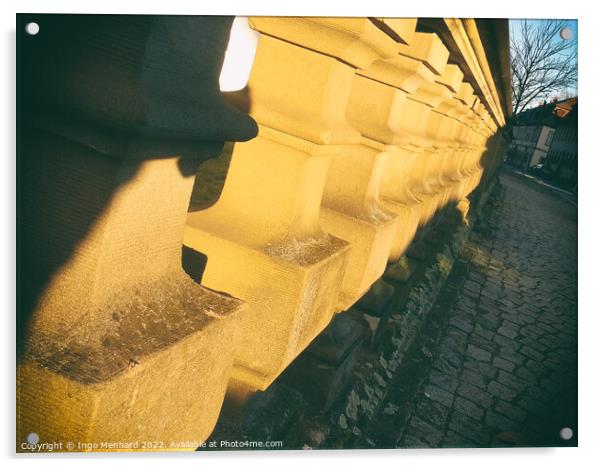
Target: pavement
(569, 196)
(496, 365)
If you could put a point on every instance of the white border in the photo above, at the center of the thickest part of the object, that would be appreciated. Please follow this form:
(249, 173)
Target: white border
(590, 260)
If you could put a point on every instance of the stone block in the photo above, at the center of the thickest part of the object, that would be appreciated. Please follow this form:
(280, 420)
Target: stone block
(365, 321)
(262, 238)
(400, 271)
(157, 375)
(408, 217)
(124, 281)
(267, 415)
(116, 342)
(289, 291)
(377, 299)
(357, 41)
(325, 367)
(308, 432)
(370, 240)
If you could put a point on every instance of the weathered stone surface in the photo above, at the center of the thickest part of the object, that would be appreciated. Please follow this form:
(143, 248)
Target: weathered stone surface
(268, 414)
(285, 265)
(135, 317)
(110, 393)
(378, 141)
(400, 271)
(116, 342)
(265, 416)
(377, 299)
(321, 372)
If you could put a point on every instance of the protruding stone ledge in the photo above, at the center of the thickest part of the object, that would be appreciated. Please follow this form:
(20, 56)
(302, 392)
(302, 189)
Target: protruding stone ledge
(355, 41)
(169, 340)
(384, 111)
(263, 238)
(351, 210)
(116, 341)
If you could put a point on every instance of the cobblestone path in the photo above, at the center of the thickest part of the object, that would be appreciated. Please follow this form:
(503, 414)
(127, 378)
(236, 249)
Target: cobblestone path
(497, 363)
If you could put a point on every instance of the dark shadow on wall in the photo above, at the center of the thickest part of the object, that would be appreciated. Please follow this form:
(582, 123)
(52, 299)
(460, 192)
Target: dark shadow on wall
(210, 179)
(209, 183)
(490, 161)
(211, 174)
(96, 96)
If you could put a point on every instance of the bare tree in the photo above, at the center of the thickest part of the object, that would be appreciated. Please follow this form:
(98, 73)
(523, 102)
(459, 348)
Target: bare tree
(543, 64)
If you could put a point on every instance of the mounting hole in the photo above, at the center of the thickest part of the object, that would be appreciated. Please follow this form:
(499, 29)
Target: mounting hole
(566, 433)
(32, 28)
(33, 438)
(566, 33)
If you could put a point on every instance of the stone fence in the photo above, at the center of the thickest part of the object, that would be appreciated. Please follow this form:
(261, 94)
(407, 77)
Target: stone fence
(356, 139)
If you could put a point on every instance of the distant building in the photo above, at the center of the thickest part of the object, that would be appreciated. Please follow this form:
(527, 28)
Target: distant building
(534, 131)
(561, 162)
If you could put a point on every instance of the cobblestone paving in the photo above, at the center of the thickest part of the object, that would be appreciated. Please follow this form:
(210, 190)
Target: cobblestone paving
(498, 362)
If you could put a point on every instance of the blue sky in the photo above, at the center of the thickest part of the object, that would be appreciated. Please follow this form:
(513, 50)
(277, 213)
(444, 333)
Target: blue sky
(572, 23)
(515, 26)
